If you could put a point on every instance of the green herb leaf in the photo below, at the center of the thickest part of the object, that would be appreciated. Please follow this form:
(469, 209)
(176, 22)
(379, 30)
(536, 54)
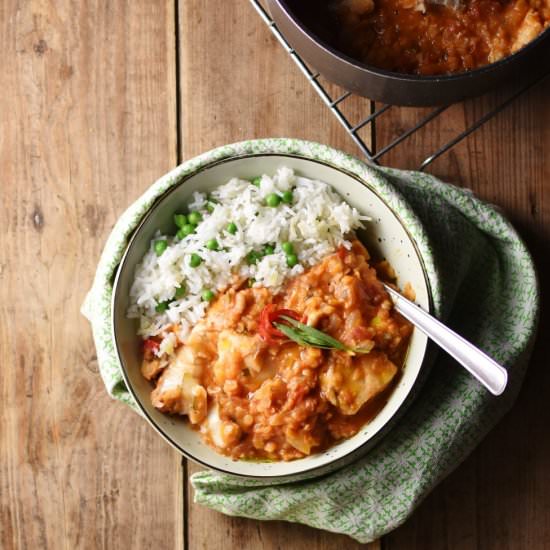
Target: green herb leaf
(313, 334)
(291, 333)
(308, 336)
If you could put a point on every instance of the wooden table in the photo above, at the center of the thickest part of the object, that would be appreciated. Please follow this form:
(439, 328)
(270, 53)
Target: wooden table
(98, 99)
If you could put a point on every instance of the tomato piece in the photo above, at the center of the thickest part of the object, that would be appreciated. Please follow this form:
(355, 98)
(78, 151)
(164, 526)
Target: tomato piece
(150, 345)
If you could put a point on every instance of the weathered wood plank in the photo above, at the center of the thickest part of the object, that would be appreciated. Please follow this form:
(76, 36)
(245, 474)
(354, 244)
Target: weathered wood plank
(88, 121)
(237, 83)
(209, 529)
(495, 500)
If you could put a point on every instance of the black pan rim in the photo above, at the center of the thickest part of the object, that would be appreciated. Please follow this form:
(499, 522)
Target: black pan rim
(404, 77)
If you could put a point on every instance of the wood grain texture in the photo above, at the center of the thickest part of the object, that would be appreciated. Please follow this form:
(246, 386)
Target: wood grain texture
(497, 499)
(237, 83)
(88, 121)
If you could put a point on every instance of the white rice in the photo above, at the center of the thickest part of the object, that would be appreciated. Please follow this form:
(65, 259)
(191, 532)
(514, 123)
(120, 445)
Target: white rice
(315, 223)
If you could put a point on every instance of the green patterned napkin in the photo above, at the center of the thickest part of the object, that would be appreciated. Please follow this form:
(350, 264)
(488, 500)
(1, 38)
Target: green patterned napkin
(485, 287)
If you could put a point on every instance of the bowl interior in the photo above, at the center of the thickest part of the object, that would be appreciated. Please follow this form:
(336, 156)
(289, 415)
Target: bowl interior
(385, 236)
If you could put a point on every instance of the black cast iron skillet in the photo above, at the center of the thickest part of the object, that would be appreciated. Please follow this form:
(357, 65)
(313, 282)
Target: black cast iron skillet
(402, 89)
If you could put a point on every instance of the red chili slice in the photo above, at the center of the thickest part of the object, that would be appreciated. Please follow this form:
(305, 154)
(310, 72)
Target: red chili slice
(266, 329)
(270, 315)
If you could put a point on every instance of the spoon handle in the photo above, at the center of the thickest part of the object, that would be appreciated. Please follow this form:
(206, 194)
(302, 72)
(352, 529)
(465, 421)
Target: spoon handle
(479, 364)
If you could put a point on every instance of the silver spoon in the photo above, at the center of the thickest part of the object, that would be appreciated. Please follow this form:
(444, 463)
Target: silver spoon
(479, 364)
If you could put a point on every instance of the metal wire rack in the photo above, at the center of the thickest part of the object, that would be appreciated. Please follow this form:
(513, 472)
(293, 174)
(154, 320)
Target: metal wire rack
(335, 104)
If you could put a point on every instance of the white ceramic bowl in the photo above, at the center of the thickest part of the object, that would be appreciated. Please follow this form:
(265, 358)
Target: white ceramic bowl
(385, 236)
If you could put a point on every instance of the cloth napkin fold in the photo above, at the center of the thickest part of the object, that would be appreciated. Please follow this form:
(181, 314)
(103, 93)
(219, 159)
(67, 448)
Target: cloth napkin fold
(486, 289)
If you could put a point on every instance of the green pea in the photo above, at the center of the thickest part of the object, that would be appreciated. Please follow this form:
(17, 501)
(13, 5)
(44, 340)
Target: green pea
(291, 260)
(287, 248)
(231, 228)
(256, 181)
(194, 217)
(162, 307)
(187, 229)
(207, 295)
(180, 220)
(212, 244)
(288, 197)
(273, 200)
(268, 250)
(210, 207)
(160, 246)
(252, 257)
(195, 260)
(181, 291)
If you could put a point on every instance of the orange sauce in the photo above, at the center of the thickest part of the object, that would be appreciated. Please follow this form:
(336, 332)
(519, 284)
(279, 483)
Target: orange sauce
(279, 400)
(415, 37)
